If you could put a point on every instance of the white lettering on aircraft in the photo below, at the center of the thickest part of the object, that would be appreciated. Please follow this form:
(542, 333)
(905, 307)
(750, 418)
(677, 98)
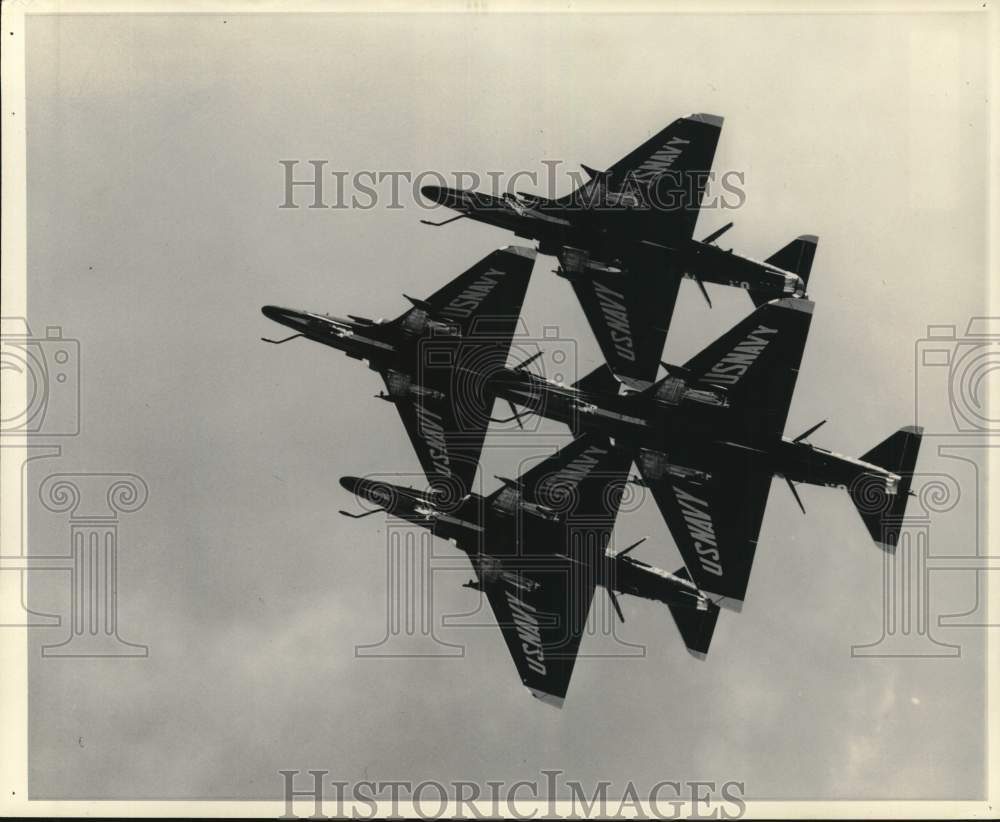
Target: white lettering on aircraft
(466, 303)
(576, 471)
(528, 631)
(616, 316)
(737, 362)
(433, 433)
(701, 529)
(661, 160)
(572, 474)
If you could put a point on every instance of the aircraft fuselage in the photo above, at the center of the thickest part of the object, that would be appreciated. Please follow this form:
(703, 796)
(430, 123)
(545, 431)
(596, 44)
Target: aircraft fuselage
(678, 433)
(593, 238)
(467, 523)
(354, 337)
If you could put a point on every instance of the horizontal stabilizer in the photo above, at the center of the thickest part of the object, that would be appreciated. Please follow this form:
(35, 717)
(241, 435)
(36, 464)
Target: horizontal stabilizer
(881, 511)
(696, 627)
(629, 310)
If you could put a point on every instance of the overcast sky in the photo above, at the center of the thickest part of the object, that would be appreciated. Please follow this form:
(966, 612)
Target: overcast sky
(154, 236)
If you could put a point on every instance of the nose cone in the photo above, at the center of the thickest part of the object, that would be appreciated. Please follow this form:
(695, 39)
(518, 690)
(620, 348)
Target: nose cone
(475, 204)
(433, 193)
(351, 484)
(286, 316)
(449, 197)
(381, 494)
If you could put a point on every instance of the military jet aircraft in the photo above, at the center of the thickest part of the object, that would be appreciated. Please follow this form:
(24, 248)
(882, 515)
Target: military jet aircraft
(467, 324)
(709, 436)
(538, 547)
(625, 239)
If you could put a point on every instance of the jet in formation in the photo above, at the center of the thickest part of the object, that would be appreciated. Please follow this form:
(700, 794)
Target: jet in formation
(465, 327)
(625, 240)
(706, 439)
(538, 547)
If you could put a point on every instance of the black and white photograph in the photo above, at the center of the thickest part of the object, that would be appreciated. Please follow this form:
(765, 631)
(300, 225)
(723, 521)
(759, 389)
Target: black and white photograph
(479, 410)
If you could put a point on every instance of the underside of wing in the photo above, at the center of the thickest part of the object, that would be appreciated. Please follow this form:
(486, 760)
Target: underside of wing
(486, 298)
(757, 363)
(549, 530)
(629, 312)
(541, 608)
(715, 522)
(447, 445)
(461, 336)
(578, 487)
(669, 173)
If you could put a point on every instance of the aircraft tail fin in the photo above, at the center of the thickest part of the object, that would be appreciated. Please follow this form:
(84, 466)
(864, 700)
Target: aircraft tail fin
(796, 258)
(696, 627)
(881, 511)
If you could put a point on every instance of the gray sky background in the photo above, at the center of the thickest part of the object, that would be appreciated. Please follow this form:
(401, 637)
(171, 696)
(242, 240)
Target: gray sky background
(154, 237)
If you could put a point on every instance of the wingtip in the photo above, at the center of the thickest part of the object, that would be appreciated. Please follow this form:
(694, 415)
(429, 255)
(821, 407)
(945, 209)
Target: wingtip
(916, 430)
(730, 604)
(519, 251)
(802, 304)
(548, 699)
(709, 119)
(812, 239)
(698, 654)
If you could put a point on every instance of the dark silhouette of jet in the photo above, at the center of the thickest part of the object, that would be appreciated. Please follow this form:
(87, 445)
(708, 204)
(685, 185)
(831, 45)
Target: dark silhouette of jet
(466, 325)
(538, 547)
(708, 437)
(625, 239)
